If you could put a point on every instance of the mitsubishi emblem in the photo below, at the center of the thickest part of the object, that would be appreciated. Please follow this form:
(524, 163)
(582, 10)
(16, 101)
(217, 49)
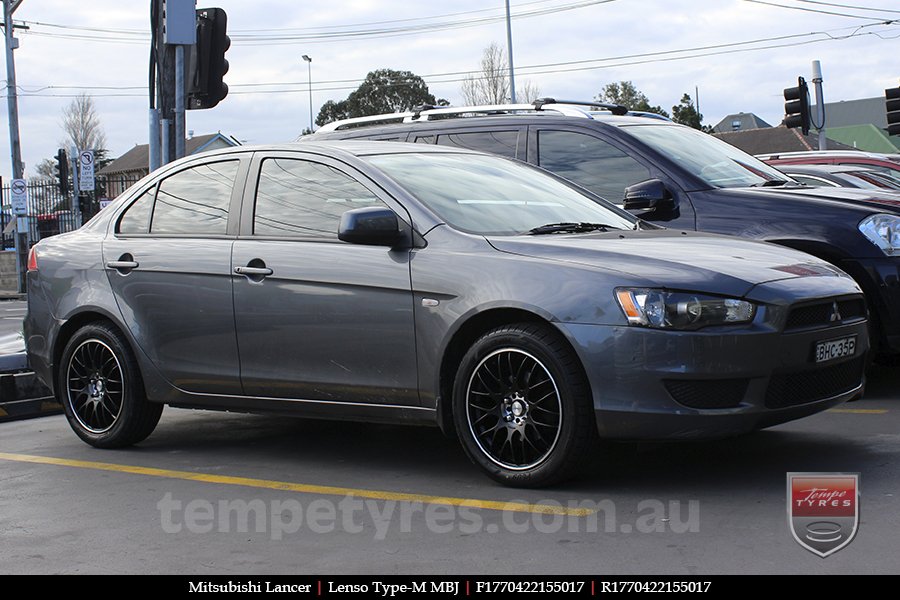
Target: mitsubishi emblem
(835, 312)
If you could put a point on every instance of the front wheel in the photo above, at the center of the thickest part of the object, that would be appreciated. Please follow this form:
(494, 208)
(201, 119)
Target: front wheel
(100, 386)
(522, 406)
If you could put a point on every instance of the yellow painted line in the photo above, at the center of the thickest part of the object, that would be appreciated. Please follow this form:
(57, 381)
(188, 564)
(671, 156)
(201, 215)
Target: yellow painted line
(859, 411)
(303, 488)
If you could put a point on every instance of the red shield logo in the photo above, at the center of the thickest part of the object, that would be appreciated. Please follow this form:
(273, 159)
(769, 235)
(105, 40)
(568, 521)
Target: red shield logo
(823, 510)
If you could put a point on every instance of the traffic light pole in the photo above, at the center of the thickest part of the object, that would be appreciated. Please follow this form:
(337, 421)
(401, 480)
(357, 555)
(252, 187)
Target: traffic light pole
(820, 104)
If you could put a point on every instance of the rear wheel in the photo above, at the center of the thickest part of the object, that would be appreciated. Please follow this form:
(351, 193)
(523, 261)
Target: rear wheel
(522, 406)
(99, 384)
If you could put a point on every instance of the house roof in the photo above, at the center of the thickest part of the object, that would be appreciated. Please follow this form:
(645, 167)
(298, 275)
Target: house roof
(744, 121)
(138, 158)
(775, 139)
(865, 137)
(854, 112)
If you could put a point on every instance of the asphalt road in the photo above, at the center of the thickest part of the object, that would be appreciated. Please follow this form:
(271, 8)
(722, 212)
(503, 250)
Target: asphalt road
(215, 493)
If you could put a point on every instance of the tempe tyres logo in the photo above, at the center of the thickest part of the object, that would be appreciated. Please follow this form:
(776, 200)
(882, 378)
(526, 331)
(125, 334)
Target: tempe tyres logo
(823, 510)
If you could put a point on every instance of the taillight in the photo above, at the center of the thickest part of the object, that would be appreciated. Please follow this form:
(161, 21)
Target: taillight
(32, 259)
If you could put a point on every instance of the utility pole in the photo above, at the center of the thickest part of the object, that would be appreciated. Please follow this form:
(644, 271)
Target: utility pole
(509, 52)
(12, 103)
(820, 104)
(174, 24)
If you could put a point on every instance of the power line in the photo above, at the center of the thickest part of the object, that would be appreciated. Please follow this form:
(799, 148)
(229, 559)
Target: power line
(887, 10)
(813, 10)
(658, 56)
(315, 36)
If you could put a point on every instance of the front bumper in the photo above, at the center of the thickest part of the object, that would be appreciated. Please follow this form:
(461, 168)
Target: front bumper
(653, 384)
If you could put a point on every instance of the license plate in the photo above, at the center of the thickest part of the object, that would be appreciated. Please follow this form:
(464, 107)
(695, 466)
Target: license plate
(834, 349)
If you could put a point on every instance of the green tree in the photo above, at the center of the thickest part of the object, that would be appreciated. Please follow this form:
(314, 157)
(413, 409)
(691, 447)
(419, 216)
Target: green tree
(686, 113)
(383, 91)
(626, 94)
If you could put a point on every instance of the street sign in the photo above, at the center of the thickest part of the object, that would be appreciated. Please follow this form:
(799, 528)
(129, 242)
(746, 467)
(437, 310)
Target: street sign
(86, 171)
(19, 197)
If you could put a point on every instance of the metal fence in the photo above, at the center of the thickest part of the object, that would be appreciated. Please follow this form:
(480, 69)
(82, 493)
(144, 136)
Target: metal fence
(51, 213)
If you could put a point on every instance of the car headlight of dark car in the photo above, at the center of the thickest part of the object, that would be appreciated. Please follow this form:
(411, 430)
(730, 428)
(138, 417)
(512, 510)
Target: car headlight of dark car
(883, 231)
(661, 309)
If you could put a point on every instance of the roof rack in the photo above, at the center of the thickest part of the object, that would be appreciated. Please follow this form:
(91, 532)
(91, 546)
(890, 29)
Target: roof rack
(569, 108)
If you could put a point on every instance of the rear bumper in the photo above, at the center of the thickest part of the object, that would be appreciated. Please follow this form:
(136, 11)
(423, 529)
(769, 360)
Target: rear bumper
(652, 384)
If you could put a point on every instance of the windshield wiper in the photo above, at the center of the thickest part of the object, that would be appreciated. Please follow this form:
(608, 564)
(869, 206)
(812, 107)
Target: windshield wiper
(771, 183)
(570, 228)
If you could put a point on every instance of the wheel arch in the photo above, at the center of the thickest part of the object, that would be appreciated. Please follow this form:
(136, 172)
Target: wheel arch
(462, 339)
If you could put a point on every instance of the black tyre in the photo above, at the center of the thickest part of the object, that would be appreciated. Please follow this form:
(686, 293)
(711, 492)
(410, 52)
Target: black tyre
(522, 407)
(99, 384)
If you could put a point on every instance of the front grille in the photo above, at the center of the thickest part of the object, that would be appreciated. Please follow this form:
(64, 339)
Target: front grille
(709, 393)
(800, 387)
(820, 314)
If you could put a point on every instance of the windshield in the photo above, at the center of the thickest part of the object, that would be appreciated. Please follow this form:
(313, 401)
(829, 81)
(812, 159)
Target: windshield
(717, 163)
(484, 194)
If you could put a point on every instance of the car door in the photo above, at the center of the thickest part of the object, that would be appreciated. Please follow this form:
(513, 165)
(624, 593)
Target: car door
(317, 318)
(168, 261)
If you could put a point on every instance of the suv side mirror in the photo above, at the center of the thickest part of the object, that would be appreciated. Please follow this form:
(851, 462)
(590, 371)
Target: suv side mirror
(371, 226)
(651, 196)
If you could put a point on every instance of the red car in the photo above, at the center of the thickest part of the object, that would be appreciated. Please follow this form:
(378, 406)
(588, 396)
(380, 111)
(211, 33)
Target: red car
(886, 163)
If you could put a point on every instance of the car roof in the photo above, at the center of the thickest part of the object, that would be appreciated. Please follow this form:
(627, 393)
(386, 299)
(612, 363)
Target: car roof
(337, 147)
(445, 117)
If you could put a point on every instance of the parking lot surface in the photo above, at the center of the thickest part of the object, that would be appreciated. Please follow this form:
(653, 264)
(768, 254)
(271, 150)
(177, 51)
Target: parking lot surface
(216, 493)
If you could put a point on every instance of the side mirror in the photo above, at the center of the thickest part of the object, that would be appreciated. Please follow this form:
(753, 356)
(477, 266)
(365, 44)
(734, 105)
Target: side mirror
(651, 196)
(371, 226)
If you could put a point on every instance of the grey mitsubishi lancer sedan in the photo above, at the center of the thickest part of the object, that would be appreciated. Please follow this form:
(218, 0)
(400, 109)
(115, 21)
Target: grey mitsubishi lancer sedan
(424, 284)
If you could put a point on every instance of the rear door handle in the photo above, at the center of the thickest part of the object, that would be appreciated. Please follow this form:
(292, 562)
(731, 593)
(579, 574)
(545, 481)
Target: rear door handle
(253, 271)
(122, 264)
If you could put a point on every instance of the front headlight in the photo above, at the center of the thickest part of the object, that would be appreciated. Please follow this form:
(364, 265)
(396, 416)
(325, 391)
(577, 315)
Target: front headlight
(883, 231)
(681, 310)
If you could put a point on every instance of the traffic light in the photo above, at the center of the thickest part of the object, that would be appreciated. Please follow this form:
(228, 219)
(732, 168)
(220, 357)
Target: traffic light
(892, 103)
(62, 171)
(205, 85)
(796, 106)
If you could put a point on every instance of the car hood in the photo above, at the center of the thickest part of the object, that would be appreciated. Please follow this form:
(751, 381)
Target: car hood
(674, 259)
(873, 200)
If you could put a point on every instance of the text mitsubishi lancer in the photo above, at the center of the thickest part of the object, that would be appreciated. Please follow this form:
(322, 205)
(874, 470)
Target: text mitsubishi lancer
(423, 284)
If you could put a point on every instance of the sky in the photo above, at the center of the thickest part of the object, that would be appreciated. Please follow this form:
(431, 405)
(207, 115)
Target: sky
(739, 54)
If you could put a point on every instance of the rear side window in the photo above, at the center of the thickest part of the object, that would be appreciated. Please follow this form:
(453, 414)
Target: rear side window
(493, 142)
(590, 162)
(195, 200)
(137, 218)
(300, 198)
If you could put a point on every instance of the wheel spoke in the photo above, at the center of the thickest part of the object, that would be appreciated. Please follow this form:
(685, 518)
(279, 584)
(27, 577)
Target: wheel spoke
(95, 386)
(508, 389)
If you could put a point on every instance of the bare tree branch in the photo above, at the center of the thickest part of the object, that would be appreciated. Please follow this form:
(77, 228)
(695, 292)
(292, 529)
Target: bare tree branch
(82, 124)
(491, 86)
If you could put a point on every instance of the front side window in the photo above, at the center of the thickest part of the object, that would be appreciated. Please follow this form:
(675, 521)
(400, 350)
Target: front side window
(300, 198)
(195, 200)
(590, 162)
